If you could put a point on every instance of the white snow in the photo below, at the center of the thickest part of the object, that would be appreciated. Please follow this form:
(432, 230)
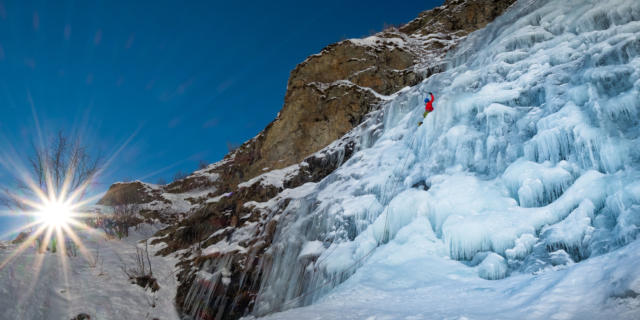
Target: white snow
(311, 249)
(274, 178)
(40, 286)
(217, 198)
(375, 41)
(222, 247)
(413, 284)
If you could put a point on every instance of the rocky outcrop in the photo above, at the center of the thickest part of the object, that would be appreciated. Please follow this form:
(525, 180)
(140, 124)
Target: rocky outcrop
(457, 16)
(136, 191)
(243, 230)
(329, 93)
(224, 238)
(316, 114)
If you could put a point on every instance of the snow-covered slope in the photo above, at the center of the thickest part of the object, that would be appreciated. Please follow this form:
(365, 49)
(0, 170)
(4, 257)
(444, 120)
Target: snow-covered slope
(55, 286)
(531, 164)
(415, 283)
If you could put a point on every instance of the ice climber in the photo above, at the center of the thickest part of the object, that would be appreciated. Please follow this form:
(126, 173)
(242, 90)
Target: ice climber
(428, 107)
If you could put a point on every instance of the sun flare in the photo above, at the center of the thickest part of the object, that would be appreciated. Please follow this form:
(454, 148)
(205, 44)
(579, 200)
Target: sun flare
(55, 213)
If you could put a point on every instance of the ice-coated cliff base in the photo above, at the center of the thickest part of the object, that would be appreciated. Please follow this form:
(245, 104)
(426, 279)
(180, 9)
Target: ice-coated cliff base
(532, 163)
(403, 283)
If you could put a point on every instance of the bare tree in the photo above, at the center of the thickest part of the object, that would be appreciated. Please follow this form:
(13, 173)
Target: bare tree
(231, 146)
(60, 164)
(202, 164)
(125, 209)
(389, 27)
(63, 163)
(179, 175)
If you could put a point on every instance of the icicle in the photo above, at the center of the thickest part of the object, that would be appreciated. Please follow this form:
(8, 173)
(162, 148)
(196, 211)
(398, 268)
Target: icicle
(530, 158)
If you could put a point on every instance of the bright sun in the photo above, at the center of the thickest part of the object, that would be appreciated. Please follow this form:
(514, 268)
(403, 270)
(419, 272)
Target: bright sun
(55, 213)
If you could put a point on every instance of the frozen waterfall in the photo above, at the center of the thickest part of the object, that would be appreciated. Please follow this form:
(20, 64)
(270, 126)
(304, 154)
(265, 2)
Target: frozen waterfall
(531, 160)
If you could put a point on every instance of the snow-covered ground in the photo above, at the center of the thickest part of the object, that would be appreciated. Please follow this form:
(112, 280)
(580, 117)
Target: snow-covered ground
(413, 283)
(39, 286)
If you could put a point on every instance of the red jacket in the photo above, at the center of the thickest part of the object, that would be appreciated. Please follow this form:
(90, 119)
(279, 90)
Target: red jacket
(429, 106)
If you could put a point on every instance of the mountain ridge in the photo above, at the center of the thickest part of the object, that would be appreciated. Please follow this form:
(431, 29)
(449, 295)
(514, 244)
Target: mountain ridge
(329, 97)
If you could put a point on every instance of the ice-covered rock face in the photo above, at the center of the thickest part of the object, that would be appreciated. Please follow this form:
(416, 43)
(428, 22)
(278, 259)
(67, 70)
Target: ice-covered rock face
(532, 158)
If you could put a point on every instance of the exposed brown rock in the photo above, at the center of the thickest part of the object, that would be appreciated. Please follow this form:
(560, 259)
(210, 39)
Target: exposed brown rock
(136, 192)
(458, 16)
(22, 237)
(313, 117)
(367, 66)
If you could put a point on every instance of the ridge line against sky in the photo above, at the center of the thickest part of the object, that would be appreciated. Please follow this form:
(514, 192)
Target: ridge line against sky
(188, 78)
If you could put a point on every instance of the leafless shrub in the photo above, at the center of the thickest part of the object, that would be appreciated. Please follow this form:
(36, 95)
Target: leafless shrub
(151, 301)
(96, 260)
(124, 217)
(125, 208)
(179, 175)
(141, 273)
(71, 248)
(389, 27)
(232, 146)
(142, 264)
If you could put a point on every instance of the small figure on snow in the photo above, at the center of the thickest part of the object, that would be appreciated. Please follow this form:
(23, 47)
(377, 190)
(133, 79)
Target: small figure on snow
(428, 107)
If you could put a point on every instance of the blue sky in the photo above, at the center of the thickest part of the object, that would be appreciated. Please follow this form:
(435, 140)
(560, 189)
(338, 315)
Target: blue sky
(182, 78)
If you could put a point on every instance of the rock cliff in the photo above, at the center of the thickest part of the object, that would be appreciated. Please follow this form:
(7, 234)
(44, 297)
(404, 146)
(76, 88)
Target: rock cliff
(218, 224)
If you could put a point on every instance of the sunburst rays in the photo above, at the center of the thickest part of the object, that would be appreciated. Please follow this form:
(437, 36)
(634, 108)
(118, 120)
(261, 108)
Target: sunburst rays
(52, 224)
(52, 196)
(56, 217)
